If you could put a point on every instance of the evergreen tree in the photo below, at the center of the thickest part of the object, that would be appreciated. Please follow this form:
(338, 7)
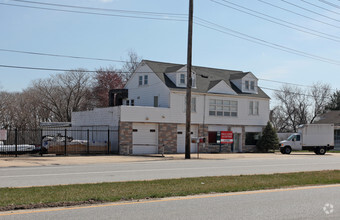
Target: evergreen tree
(269, 139)
(334, 103)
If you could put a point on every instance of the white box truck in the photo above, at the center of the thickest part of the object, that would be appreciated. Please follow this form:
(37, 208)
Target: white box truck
(313, 137)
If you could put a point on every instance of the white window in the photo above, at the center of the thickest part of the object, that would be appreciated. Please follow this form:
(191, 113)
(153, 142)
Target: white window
(140, 80)
(222, 108)
(193, 104)
(256, 109)
(193, 78)
(252, 85)
(146, 79)
(253, 108)
(247, 85)
(182, 79)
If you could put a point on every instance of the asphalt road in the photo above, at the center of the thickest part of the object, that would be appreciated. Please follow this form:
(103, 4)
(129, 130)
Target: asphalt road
(71, 174)
(320, 202)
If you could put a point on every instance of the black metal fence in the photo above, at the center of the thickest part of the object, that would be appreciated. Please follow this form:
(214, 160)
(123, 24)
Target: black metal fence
(59, 141)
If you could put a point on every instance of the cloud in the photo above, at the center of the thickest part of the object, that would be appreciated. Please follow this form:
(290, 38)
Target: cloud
(106, 1)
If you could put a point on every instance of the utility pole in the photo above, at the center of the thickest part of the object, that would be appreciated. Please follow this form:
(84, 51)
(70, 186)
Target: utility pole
(189, 83)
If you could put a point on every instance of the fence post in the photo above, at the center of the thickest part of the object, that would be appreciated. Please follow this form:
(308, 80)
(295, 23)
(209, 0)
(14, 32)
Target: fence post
(108, 141)
(16, 142)
(41, 142)
(88, 141)
(65, 143)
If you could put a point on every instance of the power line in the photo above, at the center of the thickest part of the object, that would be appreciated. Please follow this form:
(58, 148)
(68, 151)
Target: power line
(60, 69)
(95, 13)
(269, 80)
(329, 3)
(291, 25)
(310, 10)
(265, 43)
(66, 56)
(319, 7)
(42, 68)
(301, 15)
(100, 9)
(247, 37)
(95, 71)
(59, 55)
(278, 90)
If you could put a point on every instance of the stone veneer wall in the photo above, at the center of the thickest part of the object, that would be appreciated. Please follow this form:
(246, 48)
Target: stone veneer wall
(167, 137)
(125, 138)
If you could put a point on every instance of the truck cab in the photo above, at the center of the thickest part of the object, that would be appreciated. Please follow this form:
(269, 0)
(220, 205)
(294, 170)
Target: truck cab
(293, 142)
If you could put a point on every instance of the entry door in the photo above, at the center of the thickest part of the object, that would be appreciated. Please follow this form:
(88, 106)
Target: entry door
(181, 138)
(236, 143)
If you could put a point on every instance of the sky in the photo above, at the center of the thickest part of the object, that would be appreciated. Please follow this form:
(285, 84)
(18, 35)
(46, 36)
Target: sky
(230, 39)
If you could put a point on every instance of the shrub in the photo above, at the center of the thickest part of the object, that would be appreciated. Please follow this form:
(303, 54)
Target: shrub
(268, 140)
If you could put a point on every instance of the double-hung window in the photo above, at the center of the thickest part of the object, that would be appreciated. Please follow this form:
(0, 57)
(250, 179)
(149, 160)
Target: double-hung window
(146, 79)
(182, 78)
(253, 108)
(252, 85)
(140, 80)
(219, 107)
(193, 104)
(247, 84)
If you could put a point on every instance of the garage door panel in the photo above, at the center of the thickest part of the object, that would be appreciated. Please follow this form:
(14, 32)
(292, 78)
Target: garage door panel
(144, 149)
(145, 138)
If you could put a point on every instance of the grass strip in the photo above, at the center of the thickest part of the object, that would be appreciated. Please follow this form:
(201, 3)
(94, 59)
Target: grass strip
(63, 195)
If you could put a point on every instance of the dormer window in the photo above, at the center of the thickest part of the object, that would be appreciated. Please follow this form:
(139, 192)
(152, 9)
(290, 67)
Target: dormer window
(182, 78)
(252, 85)
(247, 85)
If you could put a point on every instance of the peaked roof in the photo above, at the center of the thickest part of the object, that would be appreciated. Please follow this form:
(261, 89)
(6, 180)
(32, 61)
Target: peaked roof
(331, 117)
(205, 77)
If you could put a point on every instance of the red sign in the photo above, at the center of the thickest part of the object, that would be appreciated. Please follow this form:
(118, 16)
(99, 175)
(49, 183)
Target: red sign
(227, 137)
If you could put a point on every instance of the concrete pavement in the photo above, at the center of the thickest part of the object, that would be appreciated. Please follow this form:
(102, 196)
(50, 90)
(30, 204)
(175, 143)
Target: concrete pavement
(49, 160)
(163, 169)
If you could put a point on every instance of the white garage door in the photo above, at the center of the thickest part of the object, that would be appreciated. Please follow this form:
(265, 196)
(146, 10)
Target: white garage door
(181, 138)
(144, 138)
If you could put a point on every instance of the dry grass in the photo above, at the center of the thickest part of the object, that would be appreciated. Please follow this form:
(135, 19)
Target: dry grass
(13, 198)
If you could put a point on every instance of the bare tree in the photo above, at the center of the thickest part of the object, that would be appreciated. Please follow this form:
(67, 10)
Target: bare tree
(18, 111)
(63, 93)
(5, 110)
(297, 106)
(130, 65)
(320, 98)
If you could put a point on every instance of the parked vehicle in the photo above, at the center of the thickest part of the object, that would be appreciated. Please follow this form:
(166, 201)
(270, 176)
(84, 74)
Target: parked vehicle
(21, 148)
(312, 137)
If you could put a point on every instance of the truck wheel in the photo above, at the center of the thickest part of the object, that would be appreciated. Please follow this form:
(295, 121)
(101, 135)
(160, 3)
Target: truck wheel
(287, 150)
(316, 151)
(321, 150)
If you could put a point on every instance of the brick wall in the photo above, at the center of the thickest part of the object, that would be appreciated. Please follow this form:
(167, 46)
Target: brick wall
(167, 137)
(125, 138)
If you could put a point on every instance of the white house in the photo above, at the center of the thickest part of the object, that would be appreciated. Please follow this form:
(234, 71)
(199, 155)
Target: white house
(152, 114)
